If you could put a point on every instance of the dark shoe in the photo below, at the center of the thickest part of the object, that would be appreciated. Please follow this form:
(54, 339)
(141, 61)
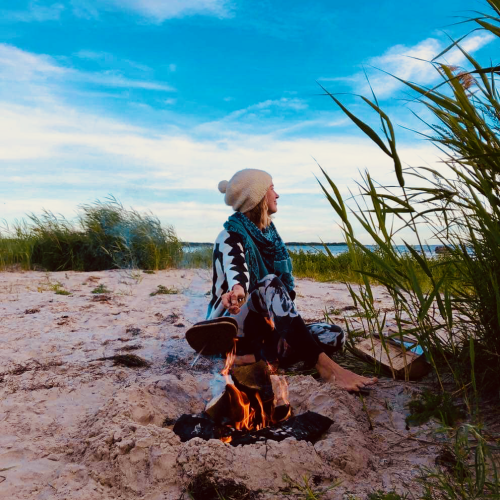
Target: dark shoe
(215, 336)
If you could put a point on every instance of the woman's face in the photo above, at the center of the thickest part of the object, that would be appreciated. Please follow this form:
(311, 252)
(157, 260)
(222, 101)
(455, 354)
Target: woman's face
(272, 200)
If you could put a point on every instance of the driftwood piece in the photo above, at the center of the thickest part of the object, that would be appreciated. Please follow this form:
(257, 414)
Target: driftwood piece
(255, 379)
(306, 427)
(280, 390)
(218, 408)
(401, 364)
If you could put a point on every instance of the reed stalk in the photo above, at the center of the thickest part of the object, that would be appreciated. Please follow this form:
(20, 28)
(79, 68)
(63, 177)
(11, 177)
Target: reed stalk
(455, 317)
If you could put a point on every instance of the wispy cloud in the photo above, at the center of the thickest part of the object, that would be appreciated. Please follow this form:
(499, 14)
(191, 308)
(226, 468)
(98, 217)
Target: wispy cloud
(410, 63)
(71, 154)
(155, 167)
(19, 66)
(284, 103)
(34, 12)
(108, 59)
(160, 10)
(255, 113)
(115, 79)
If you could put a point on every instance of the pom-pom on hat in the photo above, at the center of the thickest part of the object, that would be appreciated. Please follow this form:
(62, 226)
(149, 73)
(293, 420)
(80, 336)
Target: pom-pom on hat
(245, 189)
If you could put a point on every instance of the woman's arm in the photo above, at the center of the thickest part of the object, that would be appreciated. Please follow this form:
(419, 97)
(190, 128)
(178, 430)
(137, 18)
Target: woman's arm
(235, 270)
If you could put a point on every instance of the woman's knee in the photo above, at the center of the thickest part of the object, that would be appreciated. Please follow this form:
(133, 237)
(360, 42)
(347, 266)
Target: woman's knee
(271, 295)
(267, 280)
(332, 337)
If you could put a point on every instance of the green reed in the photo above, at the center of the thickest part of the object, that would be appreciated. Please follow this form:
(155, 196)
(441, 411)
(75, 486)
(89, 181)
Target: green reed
(467, 469)
(200, 257)
(456, 315)
(104, 235)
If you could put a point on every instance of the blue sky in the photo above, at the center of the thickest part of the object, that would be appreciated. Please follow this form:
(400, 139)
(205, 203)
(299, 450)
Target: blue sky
(156, 101)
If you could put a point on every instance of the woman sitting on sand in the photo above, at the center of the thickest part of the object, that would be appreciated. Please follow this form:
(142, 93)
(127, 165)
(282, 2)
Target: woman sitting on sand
(253, 291)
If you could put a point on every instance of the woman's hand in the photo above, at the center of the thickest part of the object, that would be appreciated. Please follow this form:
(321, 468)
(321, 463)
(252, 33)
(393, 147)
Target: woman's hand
(233, 299)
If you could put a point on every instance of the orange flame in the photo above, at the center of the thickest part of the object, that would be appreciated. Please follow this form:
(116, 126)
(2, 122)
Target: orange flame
(273, 368)
(230, 358)
(262, 412)
(270, 322)
(242, 414)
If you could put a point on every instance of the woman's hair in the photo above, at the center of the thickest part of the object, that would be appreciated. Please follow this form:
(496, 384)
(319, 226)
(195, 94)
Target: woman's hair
(259, 214)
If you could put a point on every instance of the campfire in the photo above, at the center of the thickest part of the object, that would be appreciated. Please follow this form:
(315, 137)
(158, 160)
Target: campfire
(254, 397)
(252, 407)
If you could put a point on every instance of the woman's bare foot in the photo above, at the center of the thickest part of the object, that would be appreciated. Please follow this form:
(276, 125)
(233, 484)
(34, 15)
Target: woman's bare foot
(331, 372)
(246, 359)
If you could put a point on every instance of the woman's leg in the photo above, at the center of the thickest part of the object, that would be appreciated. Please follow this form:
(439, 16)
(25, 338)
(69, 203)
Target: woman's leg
(269, 323)
(331, 337)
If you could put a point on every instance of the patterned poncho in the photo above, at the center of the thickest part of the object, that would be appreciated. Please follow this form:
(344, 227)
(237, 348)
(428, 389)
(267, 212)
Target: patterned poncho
(243, 254)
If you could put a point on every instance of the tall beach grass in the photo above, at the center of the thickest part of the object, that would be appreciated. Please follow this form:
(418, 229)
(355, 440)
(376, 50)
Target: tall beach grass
(457, 317)
(104, 235)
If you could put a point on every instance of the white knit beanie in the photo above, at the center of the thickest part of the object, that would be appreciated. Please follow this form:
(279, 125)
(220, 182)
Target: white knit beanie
(246, 189)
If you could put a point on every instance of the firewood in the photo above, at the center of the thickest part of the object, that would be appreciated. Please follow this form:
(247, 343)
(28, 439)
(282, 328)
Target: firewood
(280, 390)
(401, 364)
(309, 426)
(226, 408)
(254, 377)
(218, 408)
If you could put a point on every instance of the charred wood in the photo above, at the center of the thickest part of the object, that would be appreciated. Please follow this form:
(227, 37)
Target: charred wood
(309, 426)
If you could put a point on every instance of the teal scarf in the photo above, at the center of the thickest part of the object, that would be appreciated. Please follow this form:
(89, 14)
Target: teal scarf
(265, 252)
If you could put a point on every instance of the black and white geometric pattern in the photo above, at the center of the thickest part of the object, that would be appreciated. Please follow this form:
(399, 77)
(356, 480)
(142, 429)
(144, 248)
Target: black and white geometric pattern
(229, 268)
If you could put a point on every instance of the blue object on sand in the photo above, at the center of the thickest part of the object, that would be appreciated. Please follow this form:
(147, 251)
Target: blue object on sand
(408, 345)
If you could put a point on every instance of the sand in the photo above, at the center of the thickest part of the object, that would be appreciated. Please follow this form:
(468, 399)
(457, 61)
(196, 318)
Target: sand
(72, 427)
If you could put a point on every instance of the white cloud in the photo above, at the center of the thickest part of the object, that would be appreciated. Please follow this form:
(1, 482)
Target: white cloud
(110, 60)
(256, 112)
(34, 12)
(50, 151)
(19, 66)
(411, 63)
(160, 10)
(115, 79)
(125, 158)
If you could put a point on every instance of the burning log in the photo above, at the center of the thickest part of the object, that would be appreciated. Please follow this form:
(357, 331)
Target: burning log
(218, 408)
(306, 427)
(309, 426)
(280, 390)
(226, 408)
(254, 377)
